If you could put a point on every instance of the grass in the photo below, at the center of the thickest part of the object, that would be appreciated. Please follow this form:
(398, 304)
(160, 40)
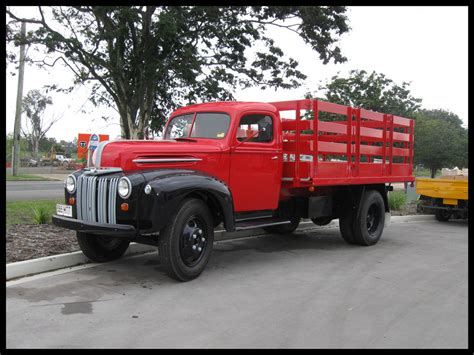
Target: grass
(26, 177)
(31, 212)
(397, 199)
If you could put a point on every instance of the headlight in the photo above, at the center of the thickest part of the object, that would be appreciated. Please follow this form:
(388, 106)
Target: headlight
(124, 188)
(70, 184)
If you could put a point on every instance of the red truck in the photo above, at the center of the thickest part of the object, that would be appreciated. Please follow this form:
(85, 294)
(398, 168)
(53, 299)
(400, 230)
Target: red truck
(245, 165)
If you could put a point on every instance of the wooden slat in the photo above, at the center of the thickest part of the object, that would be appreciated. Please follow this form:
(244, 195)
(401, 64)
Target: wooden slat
(371, 115)
(330, 107)
(329, 147)
(303, 137)
(402, 121)
(371, 150)
(371, 132)
(401, 137)
(332, 127)
(400, 152)
(291, 105)
(290, 125)
(333, 138)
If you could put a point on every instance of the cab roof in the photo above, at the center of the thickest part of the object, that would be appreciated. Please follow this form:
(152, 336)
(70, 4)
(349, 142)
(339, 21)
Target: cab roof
(230, 107)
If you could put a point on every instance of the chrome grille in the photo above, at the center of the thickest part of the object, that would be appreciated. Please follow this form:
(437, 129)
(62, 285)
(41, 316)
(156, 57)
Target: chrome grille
(96, 198)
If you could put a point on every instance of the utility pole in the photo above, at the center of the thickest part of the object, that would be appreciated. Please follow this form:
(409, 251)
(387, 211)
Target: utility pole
(19, 98)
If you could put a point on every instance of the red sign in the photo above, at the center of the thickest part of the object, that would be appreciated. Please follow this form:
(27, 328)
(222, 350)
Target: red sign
(83, 143)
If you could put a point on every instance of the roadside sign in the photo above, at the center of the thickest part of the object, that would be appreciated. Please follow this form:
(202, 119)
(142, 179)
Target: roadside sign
(83, 141)
(93, 142)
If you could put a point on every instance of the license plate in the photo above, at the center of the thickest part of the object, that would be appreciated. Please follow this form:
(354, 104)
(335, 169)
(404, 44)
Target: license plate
(64, 210)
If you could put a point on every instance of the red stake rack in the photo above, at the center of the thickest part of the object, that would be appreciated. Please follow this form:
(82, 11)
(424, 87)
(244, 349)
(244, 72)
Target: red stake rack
(356, 145)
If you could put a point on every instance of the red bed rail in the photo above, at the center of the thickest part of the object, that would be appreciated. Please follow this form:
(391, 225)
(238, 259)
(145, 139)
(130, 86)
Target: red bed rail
(364, 145)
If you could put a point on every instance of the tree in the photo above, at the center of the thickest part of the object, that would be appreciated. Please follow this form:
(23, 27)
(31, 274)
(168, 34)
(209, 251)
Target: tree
(373, 92)
(34, 105)
(440, 140)
(145, 60)
(9, 147)
(45, 144)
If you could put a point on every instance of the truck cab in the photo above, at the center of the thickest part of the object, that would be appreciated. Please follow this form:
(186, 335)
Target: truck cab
(224, 162)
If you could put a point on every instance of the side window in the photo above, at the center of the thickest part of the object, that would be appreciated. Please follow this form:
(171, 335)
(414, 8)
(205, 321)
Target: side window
(255, 128)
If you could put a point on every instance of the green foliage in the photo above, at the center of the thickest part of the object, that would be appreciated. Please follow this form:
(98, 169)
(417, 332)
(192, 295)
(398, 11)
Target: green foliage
(41, 214)
(424, 172)
(19, 212)
(25, 177)
(46, 143)
(34, 104)
(440, 140)
(35, 127)
(373, 92)
(147, 60)
(24, 151)
(396, 199)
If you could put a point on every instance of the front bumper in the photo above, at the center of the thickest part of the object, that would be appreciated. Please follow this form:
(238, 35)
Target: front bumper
(113, 230)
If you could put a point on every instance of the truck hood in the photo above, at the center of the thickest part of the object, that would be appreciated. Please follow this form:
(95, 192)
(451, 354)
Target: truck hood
(139, 155)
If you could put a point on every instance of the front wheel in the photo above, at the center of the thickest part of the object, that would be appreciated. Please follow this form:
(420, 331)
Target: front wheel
(287, 228)
(185, 245)
(442, 215)
(101, 248)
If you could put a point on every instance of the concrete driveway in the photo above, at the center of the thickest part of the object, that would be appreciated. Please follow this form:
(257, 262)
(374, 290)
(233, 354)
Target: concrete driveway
(310, 290)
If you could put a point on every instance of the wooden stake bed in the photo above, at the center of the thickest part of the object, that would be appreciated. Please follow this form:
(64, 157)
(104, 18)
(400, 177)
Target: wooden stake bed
(359, 147)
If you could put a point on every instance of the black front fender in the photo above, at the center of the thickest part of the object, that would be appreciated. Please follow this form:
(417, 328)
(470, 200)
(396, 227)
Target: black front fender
(169, 189)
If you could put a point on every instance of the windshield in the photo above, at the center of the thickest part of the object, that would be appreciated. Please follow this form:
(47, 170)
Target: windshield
(212, 125)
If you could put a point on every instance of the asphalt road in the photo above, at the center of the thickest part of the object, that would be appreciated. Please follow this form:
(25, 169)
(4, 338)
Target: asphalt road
(310, 290)
(34, 190)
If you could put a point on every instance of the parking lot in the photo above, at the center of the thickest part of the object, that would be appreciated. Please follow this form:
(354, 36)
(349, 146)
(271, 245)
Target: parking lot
(309, 290)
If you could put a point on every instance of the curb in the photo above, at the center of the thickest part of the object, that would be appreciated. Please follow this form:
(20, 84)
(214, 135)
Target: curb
(20, 269)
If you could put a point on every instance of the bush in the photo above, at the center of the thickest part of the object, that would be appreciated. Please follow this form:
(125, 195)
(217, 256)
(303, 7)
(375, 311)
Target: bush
(41, 215)
(396, 199)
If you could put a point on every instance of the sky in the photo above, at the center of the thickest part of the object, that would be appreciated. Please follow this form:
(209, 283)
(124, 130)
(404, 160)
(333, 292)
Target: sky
(426, 46)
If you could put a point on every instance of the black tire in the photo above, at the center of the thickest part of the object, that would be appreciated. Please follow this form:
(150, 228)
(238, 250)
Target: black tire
(346, 225)
(191, 226)
(322, 221)
(286, 228)
(442, 215)
(101, 248)
(368, 226)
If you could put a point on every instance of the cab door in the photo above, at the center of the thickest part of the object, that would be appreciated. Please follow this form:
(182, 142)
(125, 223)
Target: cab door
(256, 162)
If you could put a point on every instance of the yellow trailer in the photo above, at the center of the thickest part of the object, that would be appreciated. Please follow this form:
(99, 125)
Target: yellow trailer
(446, 197)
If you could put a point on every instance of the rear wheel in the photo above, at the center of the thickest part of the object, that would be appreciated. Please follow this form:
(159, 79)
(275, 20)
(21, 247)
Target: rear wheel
(286, 228)
(346, 221)
(368, 226)
(185, 245)
(101, 248)
(442, 215)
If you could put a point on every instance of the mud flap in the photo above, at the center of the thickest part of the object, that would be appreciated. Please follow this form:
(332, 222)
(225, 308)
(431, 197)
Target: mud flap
(388, 215)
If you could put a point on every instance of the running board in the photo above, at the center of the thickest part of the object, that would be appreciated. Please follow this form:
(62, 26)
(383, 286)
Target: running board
(263, 222)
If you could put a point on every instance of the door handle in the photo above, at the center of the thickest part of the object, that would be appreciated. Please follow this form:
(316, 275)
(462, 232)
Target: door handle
(275, 157)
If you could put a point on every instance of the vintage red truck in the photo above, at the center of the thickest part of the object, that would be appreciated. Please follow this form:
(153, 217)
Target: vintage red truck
(245, 165)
